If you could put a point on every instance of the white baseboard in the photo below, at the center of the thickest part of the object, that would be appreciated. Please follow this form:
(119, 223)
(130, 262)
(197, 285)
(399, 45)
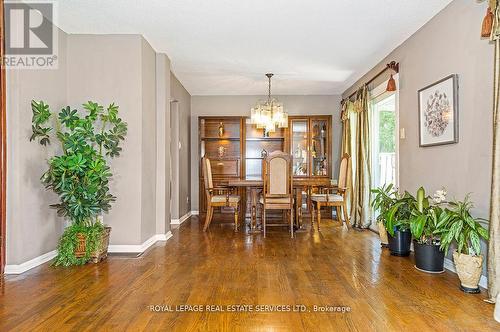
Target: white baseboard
(23, 267)
(449, 265)
(181, 219)
(195, 213)
(139, 247)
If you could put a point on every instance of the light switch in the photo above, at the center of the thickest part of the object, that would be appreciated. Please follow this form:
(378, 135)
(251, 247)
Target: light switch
(402, 133)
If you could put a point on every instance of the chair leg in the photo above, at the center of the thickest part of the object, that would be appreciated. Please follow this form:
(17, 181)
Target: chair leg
(208, 219)
(291, 222)
(264, 220)
(318, 206)
(346, 213)
(236, 212)
(312, 216)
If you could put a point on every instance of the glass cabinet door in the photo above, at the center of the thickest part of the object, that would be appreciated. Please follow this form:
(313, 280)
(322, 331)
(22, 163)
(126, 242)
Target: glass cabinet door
(299, 147)
(319, 147)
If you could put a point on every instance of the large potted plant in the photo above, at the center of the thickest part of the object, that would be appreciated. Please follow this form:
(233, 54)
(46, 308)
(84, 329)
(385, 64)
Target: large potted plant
(80, 174)
(382, 200)
(397, 223)
(466, 232)
(427, 223)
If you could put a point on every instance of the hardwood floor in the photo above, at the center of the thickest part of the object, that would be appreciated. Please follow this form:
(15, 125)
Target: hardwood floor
(331, 267)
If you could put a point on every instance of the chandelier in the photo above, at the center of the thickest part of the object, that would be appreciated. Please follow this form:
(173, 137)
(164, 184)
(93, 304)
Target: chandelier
(269, 115)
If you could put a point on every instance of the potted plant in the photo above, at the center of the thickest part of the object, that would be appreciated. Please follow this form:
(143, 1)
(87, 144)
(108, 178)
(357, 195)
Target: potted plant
(427, 223)
(397, 223)
(80, 174)
(466, 232)
(383, 199)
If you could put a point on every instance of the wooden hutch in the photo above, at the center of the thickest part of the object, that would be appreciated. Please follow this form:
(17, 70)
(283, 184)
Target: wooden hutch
(236, 148)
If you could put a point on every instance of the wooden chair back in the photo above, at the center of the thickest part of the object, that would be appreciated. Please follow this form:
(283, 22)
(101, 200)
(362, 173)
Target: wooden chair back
(344, 170)
(207, 173)
(277, 175)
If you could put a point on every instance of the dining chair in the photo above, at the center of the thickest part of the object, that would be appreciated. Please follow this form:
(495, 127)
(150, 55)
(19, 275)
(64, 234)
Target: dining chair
(277, 193)
(218, 196)
(333, 196)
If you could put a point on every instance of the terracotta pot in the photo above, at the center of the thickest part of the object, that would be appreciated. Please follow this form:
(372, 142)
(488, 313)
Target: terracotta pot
(382, 232)
(469, 271)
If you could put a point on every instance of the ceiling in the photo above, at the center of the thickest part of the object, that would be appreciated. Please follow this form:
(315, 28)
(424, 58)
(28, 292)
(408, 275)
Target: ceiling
(224, 47)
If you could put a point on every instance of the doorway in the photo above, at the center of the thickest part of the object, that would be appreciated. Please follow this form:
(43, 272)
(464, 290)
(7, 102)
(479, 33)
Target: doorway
(384, 137)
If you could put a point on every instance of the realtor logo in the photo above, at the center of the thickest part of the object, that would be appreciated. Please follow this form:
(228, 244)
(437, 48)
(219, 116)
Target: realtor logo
(30, 36)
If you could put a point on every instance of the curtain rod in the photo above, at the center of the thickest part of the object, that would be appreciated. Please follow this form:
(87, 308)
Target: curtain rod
(392, 65)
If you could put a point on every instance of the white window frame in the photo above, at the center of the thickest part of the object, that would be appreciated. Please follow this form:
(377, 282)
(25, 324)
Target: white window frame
(377, 93)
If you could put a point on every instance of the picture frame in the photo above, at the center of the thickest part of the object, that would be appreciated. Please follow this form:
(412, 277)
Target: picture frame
(438, 112)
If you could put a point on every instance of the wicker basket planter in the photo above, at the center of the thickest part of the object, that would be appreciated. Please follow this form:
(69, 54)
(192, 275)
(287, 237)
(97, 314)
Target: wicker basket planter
(469, 271)
(80, 249)
(98, 255)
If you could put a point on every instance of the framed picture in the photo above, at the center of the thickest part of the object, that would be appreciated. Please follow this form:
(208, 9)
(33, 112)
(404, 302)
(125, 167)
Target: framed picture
(438, 112)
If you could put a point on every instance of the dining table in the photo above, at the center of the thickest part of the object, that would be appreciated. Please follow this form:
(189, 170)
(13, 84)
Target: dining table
(300, 185)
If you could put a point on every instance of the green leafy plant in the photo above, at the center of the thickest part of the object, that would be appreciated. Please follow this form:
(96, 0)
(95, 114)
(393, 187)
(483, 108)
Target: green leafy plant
(397, 217)
(427, 227)
(382, 200)
(428, 221)
(464, 229)
(394, 208)
(80, 175)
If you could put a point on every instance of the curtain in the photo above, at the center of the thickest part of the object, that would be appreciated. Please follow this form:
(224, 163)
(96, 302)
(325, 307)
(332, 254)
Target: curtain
(362, 177)
(494, 242)
(356, 142)
(347, 109)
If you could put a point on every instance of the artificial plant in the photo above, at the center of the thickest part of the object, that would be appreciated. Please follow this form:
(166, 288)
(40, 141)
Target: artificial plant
(80, 174)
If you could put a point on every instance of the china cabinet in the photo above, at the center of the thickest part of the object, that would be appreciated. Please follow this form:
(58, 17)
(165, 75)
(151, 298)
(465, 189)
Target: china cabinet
(310, 145)
(236, 149)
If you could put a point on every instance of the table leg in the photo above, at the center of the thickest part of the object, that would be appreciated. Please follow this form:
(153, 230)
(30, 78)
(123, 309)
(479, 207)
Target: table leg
(253, 219)
(298, 207)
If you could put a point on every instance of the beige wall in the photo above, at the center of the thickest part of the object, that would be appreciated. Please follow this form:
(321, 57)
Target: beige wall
(108, 69)
(179, 93)
(240, 106)
(162, 144)
(448, 44)
(148, 150)
(32, 227)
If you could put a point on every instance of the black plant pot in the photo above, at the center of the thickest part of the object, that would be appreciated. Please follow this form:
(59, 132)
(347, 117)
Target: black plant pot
(428, 257)
(399, 244)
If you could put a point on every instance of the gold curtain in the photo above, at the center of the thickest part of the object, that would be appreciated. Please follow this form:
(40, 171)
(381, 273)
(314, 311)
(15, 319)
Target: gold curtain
(494, 242)
(362, 177)
(347, 109)
(356, 142)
